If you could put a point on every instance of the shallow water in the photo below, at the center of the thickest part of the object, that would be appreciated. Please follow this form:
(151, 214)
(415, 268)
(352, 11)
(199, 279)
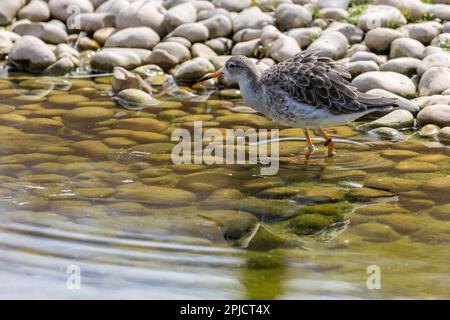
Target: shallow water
(138, 226)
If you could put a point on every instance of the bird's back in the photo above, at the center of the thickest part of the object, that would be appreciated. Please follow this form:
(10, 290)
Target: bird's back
(310, 79)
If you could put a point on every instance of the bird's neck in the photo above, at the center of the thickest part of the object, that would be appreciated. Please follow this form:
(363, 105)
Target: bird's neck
(250, 89)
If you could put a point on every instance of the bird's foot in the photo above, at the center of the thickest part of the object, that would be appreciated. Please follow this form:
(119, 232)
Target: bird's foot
(330, 146)
(309, 151)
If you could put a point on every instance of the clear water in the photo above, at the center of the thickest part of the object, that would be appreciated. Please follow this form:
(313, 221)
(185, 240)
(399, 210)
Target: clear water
(63, 206)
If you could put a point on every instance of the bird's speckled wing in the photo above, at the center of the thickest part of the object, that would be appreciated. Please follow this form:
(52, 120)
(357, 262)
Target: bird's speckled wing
(321, 82)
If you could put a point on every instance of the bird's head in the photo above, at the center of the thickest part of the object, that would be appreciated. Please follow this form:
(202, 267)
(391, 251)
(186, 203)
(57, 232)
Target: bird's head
(238, 68)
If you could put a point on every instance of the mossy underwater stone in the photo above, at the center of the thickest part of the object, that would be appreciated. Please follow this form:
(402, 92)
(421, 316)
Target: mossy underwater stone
(367, 194)
(155, 195)
(440, 212)
(393, 184)
(375, 232)
(268, 210)
(309, 223)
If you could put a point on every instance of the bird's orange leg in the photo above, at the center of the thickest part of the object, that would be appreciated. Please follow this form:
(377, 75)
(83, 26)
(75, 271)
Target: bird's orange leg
(328, 142)
(309, 145)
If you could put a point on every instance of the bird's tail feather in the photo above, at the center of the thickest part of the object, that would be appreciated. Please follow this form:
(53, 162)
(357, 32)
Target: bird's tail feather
(376, 102)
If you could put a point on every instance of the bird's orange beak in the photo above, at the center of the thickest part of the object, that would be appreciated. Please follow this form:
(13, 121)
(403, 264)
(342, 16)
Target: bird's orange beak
(212, 75)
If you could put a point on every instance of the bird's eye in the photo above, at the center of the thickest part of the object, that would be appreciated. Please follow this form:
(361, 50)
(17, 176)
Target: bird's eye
(231, 66)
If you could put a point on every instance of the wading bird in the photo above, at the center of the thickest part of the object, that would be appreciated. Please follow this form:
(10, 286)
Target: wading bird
(307, 91)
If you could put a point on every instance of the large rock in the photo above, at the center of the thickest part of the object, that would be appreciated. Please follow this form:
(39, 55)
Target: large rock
(194, 69)
(218, 26)
(47, 32)
(436, 114)
(342, 4)
(380, 39)
(169, 54)
(245, 48)
(413, 9)
(63, 9)
(92, 22)
(439, 11)
(332, 44)
(178, 15)
(439, 59)
(60, 67)
(290, 16)
(406, 47)
(5, 45)
(31, 54)
(106, 60)
(351, 32)
(403, 104)
(36, 11)
(304, 36)
(406, 66)
(441, 41)
(358, 67)
(232, 5)
(113, 6)
(141, 37)
(252, 18)
(390, 81)
(434, 81)
(142, 13)
(9, 9)
(283, 48)
(194, 32)
(381, 16)
(155, 195)
(397, 119)
(423, 32)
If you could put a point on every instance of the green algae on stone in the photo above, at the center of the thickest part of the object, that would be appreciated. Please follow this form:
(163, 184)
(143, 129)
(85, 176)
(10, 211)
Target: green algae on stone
(156, 195)
(94, 192)
(266, 239)
(440, 212)
(237, 227)
(432, 234)
(398, 154)
(140, 124)
(41, 125)
(415, 166)
(12, 119)
(380, 209)
(41, 219)
(258, 184)
(440, 185)
(393, 184)
(92, 148)
(268, 209)
(321, 194)
(366, 194)
(341, 175)
(404, 224)
(251, 120)
(87, 114)
(128, 208)
(279, 192)
(118, 142)
(307, 224)
(66, 99)
(375, 232)
(336, 210)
